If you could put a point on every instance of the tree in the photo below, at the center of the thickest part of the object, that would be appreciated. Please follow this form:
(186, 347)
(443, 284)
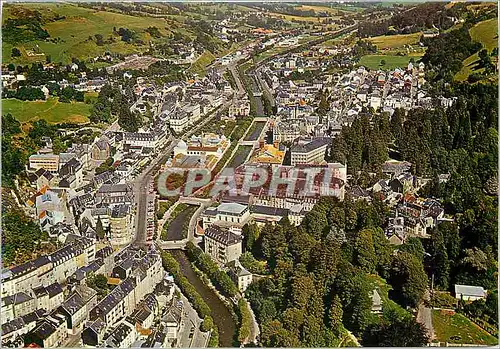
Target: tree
(382, 62)
(98, 282)
(99, 229)
(440, 260)
(274, 335)
(404, 332)
(207, 324)
(365, 251)
(335, 314)
(15, 52)
(315, 223)
(408, 279)
(13, 157)
(301, 290)
(250, 234)
(414, 246)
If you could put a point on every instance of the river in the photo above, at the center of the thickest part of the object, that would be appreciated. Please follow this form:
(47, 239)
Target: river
(221, 315)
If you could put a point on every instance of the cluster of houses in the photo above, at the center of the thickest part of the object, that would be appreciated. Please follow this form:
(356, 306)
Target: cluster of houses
(295, 99)
(410, 215)
(86, 186)
(184, 104)
(47, 302)
(83, 199)
(72, 196)
(382, 91)
(203, 151)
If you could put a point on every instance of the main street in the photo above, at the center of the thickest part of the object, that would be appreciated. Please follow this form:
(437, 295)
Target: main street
(142, 182)
(140, 187)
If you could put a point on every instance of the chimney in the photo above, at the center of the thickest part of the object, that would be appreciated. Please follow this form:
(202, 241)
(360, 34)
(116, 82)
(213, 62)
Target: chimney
(261, 143)
(277, 144)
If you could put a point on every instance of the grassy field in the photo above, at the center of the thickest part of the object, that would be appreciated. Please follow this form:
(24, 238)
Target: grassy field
(460, 330)
(296, 18)
(199, 67)
(383, 290)
(395, 41)
(51, 110)
(486, 33)
(75, 38)
(269, 53)
(391, 62)
(332, 12)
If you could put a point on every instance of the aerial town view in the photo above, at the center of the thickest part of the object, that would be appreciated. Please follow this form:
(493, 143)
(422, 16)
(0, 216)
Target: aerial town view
(249, 174)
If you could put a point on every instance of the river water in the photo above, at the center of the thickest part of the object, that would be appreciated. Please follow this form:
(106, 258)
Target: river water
(221, 315)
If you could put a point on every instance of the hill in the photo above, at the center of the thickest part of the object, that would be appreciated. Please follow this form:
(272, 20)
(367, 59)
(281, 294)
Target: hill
(51, 110)
(486, 33)
(64, 24)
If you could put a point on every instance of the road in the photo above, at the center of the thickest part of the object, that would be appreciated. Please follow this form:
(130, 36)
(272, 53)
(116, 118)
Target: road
(191, 320)
(140, 184)
(140, 187)
(236, 77)
(424, 316)
(254, 330)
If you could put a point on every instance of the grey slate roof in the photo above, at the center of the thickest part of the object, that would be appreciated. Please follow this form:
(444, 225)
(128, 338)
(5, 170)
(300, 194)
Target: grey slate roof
(222, 236)
(310, 146)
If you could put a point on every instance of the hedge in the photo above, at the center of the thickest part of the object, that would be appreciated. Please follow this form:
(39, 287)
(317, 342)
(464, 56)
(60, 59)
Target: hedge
(245, 320)
(172, 266)
(222, 282)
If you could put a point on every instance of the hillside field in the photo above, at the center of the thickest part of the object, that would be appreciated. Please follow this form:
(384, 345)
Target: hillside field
(485, 32)
(391, 62)
(395, 41)
(458, 329)
(51, 110)
(75, 29)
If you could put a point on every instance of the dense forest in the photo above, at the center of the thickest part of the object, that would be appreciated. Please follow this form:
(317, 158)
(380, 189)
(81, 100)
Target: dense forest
(445, 53)
(411, 20)
(323, 273)
(111, 103)
(425, 16)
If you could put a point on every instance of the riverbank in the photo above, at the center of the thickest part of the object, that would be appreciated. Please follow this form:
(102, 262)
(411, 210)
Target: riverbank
(221, 315)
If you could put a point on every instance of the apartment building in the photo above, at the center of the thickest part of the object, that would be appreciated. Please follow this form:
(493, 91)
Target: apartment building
(49, 162)
(179, 121)
(309, 151)
(121, 224)
(222, 245)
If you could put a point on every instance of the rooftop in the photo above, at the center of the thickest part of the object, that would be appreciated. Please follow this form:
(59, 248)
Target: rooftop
(222, 236)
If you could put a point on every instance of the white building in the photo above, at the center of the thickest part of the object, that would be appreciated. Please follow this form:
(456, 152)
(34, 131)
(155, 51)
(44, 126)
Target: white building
(242, 277)
(470, 293)
(49, 162)
(179, 121)
(309, 151)
(227, 214)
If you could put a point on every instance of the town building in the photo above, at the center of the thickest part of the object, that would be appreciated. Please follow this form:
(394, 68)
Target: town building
(49, 162)
(121, 223)
(222, 244)
(310, 151)
(470, 293)
(242, 277)
(226, 214)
